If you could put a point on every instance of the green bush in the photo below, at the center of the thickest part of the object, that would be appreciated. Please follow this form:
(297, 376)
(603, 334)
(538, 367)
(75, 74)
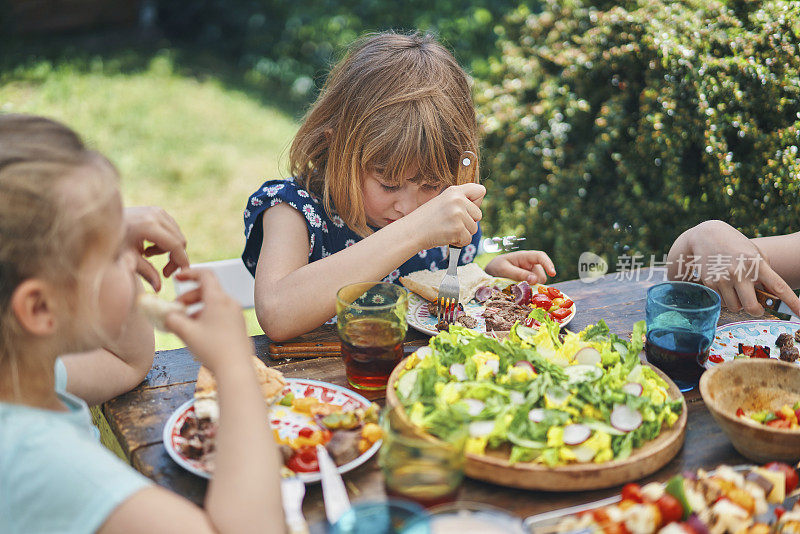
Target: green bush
(293, 44)
(613, 127)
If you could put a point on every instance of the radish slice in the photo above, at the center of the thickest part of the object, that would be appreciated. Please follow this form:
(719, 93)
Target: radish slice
(557, 395)
(516, 397)
(483, 293)
(582, 373)
(537, 415)
(625, 419)
(525, 364)
(634, 388)
(583, 453)
(588, 356)
(576, 434)
(522, 293)
(480, 429)
(458, 371)
(494, 365)
(423, 352)
(474, 406)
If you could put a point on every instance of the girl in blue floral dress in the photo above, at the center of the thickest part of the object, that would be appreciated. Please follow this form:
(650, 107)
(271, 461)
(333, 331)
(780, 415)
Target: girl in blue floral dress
(374, 194)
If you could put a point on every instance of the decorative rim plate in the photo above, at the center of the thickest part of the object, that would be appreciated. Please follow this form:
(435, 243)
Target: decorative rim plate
(287, 421)
(420, 319)
(758, 332)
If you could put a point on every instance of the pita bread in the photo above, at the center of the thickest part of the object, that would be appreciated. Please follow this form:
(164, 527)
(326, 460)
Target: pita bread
(156, 309)
(426, 283)
(270, 381)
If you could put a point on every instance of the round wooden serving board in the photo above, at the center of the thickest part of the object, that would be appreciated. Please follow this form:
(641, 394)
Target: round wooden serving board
(494, 467)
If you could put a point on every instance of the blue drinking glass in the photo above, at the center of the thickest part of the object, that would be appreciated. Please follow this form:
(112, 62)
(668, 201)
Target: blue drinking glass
(681, 323)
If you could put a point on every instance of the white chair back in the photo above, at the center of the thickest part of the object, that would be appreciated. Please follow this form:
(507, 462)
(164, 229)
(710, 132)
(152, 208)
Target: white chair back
(234, 277)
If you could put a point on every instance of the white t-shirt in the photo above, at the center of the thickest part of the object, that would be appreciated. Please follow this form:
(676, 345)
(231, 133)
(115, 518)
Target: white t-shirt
(55, 476)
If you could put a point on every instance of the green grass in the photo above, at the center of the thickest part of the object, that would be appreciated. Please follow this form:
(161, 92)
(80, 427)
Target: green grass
(193, 145)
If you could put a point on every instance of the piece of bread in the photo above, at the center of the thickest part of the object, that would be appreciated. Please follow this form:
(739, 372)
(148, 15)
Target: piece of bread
(270, 381)
(156, 309)
(426, 283)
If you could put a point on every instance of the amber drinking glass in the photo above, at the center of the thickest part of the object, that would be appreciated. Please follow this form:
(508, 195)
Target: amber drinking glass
(371, 321)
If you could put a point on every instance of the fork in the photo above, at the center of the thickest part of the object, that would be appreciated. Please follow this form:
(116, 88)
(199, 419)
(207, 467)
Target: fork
(449, 289)
(292, 492)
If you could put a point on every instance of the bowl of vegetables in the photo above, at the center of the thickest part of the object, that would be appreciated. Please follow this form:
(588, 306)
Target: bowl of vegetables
(757, 404)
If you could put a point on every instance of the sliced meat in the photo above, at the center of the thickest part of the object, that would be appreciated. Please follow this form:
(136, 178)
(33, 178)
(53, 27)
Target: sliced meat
(468, 321)
(789, 353)
(343, 446)
(784, 340)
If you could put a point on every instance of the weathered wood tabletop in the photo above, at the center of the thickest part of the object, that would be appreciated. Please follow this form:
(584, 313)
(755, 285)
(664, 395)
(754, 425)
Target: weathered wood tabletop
(137, 418)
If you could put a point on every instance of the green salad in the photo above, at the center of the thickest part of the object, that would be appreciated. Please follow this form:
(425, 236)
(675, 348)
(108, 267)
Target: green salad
(538, 396)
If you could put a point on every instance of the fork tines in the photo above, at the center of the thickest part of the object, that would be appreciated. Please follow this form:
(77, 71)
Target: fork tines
(446, 310)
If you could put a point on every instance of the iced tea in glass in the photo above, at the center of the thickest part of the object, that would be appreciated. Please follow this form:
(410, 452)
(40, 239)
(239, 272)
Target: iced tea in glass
(371, 321)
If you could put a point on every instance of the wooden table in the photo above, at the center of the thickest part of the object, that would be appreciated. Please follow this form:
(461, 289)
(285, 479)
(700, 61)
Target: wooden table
(137, 418)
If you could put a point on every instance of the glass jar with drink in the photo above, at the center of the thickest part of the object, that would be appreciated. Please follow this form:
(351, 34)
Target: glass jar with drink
(371, 322)
(418, 466)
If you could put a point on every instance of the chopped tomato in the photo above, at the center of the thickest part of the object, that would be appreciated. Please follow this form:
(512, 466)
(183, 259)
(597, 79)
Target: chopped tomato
(567, 303)
(553, 293)
(790, 474)
(780, 423)
(305, 432)
(760, 352)
(560, 313)
(632, 492)
(304, 460)
(542, 290)
(600, 515)
(739, 413)
(670, 508)
(542, 301)
(716, 358)
(779, 511)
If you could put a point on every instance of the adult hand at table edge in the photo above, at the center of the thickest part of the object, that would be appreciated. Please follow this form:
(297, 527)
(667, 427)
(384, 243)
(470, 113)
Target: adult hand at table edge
(699, 245)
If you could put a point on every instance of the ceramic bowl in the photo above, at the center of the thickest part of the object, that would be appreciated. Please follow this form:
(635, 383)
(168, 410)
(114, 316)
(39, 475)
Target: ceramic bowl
(754, 385)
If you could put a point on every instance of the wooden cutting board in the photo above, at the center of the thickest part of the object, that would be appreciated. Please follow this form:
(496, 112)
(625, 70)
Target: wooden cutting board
(324, 342)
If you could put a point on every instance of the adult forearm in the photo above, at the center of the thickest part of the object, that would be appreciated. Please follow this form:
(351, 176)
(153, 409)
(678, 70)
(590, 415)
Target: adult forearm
(783, 252)
(306, 297)
(244, 495)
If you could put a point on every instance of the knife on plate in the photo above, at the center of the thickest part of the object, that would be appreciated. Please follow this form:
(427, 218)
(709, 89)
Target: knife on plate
(333, 491)
(775, 305)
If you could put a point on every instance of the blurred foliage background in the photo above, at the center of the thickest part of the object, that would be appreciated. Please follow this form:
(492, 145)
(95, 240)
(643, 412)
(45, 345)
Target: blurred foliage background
(608, 126)
(614, 126)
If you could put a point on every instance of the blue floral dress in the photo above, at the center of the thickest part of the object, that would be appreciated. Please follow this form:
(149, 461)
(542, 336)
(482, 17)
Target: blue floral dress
(327, 233)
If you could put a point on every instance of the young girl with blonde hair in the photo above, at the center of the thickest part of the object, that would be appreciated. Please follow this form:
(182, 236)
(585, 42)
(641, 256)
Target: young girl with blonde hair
(374, 193)
(69, 254)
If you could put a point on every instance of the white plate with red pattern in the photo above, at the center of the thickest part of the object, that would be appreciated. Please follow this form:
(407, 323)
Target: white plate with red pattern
(287, 421)
(419, 317)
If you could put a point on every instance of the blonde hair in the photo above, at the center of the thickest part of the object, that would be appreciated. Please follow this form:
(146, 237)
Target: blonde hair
(395, 101)
(47, 226)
